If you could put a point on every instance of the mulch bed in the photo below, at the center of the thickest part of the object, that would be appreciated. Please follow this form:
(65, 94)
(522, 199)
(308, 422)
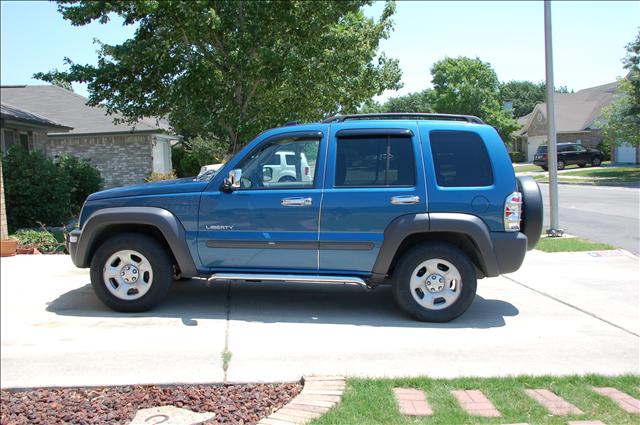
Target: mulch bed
(233, 404)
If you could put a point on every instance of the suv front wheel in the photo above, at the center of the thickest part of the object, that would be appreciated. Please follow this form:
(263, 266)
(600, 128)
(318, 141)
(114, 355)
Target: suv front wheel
(131, 272)
(435, 282)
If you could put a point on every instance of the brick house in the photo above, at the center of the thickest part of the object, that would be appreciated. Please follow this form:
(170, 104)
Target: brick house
(124, 154)
(578, 119)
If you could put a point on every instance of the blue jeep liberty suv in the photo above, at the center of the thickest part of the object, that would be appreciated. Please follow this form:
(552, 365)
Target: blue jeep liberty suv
(428, 203)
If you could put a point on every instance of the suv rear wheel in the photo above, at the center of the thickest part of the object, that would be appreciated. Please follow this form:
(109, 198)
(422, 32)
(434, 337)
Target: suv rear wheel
(435, 282)
(131, 272)
(596, 161)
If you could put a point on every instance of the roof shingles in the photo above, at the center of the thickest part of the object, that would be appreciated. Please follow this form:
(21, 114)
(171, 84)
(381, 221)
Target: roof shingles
(58, 104)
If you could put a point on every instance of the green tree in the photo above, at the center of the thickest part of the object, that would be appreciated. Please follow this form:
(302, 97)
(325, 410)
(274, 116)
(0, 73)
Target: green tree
(621, 125)
(471, 87)
(525, 95)
(622, 116)
(62, 84)
(413, 102)
(632, 64)
(234, 68)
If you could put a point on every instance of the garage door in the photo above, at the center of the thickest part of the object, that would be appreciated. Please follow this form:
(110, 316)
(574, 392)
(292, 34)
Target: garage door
(626, 153)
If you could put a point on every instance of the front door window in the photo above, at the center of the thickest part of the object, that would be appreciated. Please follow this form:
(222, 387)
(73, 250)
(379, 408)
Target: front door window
(283, 164)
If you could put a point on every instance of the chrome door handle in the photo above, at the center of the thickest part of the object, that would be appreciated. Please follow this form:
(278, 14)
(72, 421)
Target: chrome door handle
(405, 200)
(296, 202)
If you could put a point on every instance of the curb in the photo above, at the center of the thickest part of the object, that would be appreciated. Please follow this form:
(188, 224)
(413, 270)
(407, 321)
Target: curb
(628, 185)
(319, 394)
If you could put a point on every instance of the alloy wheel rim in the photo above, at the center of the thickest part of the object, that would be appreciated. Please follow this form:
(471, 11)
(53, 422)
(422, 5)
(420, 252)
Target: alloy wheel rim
(436, 284)
(127, 274)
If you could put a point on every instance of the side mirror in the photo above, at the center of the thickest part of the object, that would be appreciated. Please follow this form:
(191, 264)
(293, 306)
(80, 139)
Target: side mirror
(232, 182)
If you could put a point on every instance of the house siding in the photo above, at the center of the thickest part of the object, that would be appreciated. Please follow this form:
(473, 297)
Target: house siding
(590, 139)
(121, 159)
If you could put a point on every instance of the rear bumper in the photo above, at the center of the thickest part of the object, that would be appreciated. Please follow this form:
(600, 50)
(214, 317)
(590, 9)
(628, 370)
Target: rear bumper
(509, 249)
(540, 162)
(71, 243)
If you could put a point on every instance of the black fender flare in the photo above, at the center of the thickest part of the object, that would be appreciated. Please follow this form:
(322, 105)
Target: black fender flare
(163, 220)
(406, 225)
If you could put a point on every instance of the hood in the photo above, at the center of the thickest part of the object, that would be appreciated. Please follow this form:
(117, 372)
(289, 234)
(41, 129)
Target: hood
(184, 185)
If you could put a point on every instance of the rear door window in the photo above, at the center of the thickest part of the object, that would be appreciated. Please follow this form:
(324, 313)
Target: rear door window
(460, 159)
(375, 161)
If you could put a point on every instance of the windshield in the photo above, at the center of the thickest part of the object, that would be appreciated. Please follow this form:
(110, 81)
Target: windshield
(542, 149)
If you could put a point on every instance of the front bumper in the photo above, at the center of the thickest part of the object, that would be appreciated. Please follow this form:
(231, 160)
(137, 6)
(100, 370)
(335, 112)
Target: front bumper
(71, 242)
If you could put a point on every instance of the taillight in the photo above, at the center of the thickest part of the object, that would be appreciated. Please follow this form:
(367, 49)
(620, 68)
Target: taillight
(546, 157)
(307, 170)
(512, 212)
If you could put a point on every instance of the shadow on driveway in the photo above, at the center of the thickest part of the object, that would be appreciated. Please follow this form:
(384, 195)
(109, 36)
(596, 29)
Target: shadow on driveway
(282, 303)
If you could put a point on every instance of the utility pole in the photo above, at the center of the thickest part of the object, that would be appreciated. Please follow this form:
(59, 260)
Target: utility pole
(552, 149)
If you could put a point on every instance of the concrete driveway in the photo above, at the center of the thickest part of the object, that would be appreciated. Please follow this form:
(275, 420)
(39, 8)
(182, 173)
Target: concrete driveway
(560, 314)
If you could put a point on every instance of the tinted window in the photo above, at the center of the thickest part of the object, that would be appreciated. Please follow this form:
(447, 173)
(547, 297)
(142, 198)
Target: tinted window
(542, 149)
(375, 161)
(460, 159)
(581, 148)
(290, 159)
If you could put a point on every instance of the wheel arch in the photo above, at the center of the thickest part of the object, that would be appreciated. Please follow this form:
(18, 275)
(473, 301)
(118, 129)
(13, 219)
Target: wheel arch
(157, 223)
(465, 231)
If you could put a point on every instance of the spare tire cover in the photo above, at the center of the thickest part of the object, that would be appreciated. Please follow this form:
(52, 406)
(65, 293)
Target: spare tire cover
(532, 210)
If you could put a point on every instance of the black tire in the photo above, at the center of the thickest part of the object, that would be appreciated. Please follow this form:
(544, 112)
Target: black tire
(582, 165)
(157, 257)
(286, 179)
(412, 259)
(561, 164)
(596, 161)
(545, 168)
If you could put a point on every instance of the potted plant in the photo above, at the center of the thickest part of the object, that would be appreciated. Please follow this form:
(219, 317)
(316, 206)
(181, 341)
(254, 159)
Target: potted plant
(32, 241)
(8, 247)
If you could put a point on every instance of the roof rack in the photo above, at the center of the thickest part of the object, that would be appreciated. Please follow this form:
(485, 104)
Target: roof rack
(404, 116)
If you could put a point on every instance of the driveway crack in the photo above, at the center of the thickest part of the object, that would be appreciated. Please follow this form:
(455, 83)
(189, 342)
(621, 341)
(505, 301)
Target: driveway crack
(226, 354)
(575, 307)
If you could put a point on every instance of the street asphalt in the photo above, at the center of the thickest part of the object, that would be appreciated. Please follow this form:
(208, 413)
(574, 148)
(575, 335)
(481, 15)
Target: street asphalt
(600, 213)
(560, 314)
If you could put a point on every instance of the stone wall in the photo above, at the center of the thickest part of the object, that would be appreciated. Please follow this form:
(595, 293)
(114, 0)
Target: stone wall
(121, 159)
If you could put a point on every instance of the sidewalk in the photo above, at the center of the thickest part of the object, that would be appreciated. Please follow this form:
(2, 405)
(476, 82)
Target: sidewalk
(561, 314)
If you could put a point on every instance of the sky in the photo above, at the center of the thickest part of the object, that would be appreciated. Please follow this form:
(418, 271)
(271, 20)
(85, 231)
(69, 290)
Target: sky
(589, 39)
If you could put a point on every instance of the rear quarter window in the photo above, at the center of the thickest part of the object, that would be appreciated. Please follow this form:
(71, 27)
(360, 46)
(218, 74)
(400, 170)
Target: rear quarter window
(460, 159)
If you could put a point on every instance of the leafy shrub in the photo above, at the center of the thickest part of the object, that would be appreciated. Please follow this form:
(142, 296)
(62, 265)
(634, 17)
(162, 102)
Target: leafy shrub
(605, 148)
(83, 178)
(517, 156)
(157, 177)
(41, 239)
(36, 190)
(196, 152)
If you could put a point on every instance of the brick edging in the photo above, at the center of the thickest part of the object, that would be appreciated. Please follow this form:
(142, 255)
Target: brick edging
(319, 394)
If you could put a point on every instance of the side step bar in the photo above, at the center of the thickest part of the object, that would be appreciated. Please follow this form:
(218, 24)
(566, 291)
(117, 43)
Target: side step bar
(297, 278)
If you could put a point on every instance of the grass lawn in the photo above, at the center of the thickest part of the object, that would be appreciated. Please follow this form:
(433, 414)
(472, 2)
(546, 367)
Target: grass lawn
(570, 244)
(371, 401)
(600, 175)
(526, 168)
(629, 173)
